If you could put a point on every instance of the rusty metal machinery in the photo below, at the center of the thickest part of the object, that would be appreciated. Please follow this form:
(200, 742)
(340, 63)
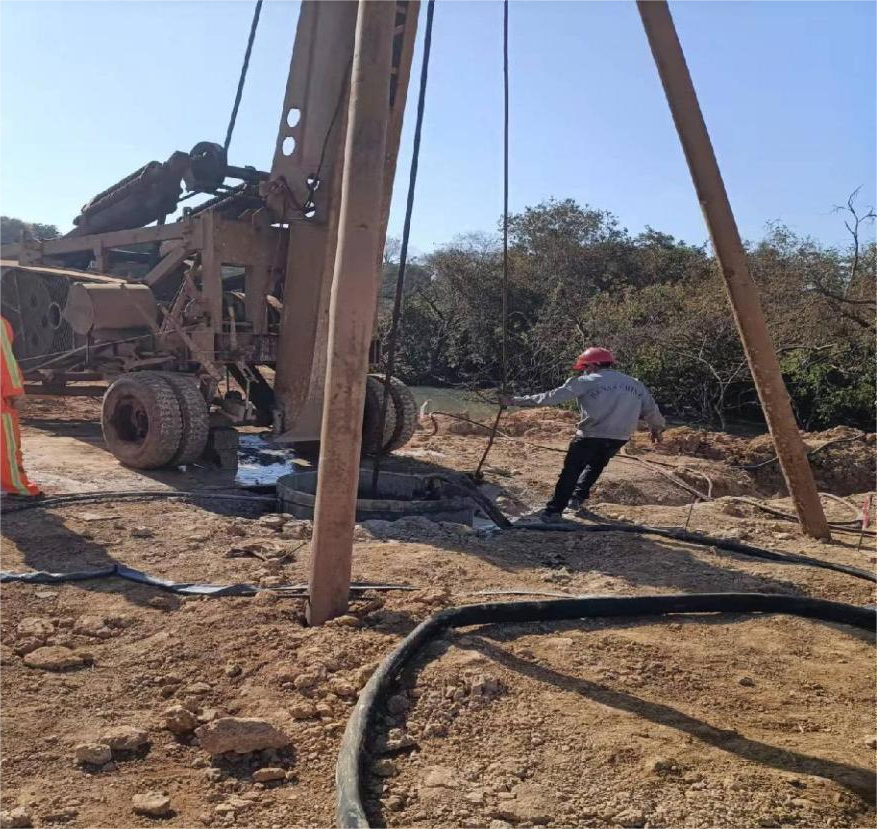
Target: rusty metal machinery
(153, 192)
(232, 286)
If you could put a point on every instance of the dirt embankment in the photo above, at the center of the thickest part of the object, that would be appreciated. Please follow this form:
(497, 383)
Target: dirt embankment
(842, 458)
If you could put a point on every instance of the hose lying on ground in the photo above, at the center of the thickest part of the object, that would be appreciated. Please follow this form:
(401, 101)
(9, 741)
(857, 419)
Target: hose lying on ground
(461, 485)
(122, 571)
(703, 540)
(125, 494)
(352, 758)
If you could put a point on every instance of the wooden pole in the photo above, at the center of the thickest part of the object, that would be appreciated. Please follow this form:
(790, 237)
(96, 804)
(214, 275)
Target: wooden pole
(352, 311)
(742, 292)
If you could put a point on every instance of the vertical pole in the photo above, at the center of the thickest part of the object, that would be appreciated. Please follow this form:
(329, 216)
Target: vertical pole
(314, 118)
(742, 292)
(352, 310)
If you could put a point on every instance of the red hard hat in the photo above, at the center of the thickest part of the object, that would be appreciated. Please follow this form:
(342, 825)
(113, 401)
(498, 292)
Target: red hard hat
(593, 355)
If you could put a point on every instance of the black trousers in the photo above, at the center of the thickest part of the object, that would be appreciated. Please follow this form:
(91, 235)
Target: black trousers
(585, 459)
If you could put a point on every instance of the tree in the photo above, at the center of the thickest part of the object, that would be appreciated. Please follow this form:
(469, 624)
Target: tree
(11, 230)
(849, 288)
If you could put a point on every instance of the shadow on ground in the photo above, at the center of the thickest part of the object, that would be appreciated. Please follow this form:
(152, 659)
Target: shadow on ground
(47, 543)
(859, 780)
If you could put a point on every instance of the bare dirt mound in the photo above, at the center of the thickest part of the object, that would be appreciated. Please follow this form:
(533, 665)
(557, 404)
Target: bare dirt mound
(842, 458)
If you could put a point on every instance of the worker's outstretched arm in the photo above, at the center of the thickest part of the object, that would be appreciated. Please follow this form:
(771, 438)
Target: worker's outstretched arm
(570, 390)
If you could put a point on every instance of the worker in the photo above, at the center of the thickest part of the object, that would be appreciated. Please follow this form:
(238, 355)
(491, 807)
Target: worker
(14, 479)
(611, 404)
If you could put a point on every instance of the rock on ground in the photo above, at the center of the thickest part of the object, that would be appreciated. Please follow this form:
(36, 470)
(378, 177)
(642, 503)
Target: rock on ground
(266, 775)
(240, 735)
(34, 627)
(302, 711)
(17, 818)
(152, 804)
(301, 530)
(440, 777)
(125, 738)
(180, 720)
(96, 754)
(53, 658)
(528, 805)
(95, 626)
(23, 646)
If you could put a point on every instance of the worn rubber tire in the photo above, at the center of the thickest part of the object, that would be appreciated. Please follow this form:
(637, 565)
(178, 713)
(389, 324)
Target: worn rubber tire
(405, 407)
(195, 416)
(154, 397)
(406, 414)
(374, 395)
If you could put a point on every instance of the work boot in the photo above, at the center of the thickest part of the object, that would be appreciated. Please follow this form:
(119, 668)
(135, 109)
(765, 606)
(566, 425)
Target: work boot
(550, 516)
(574, 505)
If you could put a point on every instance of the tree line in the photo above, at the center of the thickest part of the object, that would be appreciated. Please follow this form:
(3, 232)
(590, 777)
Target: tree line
(577, 278)
(12, 229)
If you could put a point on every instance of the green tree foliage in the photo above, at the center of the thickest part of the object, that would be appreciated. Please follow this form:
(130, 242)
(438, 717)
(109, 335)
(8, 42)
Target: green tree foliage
(11, 230)
(577, 277)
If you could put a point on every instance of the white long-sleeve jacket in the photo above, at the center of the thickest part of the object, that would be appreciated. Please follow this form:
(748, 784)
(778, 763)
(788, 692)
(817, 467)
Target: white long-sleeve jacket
(611, 403)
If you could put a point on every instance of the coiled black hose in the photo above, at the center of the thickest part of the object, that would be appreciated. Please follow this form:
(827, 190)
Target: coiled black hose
(349, 810)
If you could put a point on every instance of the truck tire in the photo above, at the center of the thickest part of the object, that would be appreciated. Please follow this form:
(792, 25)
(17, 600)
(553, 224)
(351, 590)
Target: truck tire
(406, 412)
(195, 417)
(141, 420)
(374, 395)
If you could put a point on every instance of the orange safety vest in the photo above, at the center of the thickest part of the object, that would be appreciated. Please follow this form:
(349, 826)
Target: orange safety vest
(11, 381)
(14, 479)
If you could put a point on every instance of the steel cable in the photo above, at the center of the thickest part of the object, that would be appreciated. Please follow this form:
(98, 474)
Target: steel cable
(243, 76)
(390, 363)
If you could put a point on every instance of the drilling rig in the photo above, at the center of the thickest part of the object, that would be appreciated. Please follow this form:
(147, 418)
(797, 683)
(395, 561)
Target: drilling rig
(168, 307)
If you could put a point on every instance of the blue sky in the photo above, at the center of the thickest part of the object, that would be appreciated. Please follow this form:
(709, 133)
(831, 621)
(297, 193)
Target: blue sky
(89, 91)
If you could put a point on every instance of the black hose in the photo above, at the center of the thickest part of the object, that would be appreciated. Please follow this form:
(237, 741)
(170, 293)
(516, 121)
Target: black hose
(186, 588)
(706, 541)
(118, 495)
(464, 486)
(349, 810)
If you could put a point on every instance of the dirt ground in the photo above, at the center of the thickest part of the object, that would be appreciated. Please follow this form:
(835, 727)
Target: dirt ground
(732, 720)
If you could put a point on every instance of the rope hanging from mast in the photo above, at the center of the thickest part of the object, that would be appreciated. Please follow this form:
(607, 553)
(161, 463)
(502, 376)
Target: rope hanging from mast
(390, 363)
(392, 343)
(477, 475)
